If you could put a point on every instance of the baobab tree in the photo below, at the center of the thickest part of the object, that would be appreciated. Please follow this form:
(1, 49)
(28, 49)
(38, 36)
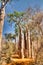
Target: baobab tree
(2, 15)
(33, 21)
(16, 18)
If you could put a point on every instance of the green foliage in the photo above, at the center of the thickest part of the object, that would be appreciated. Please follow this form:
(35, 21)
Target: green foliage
(12, 17)
(15, 18)
(18, 14)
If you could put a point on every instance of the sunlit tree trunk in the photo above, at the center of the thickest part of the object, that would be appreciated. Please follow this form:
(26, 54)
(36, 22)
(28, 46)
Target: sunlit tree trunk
(27, 42)
(2, 15)
(22, 46)
(30, 46)
(33, 54)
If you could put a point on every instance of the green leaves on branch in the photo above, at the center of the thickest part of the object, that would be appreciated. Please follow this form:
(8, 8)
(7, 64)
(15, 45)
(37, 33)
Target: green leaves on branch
(13, 16)
(18, 14)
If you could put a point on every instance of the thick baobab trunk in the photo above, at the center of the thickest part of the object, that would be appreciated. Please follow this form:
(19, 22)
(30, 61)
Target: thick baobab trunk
(30, 46)
(2, 14)
(25, 44)
(25, 40)
(22, 46)
(19, 44)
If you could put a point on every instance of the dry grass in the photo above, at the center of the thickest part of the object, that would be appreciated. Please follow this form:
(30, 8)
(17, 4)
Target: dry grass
(22, 61)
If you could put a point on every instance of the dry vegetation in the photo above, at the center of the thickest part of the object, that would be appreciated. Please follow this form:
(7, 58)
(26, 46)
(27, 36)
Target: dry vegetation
(29, 32)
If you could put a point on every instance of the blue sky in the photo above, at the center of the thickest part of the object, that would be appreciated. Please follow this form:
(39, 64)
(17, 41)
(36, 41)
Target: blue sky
(20, 5)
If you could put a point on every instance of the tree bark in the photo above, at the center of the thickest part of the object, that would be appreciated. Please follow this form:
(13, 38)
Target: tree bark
(30, 46)
(19, 44)
(33, 54)
(22, 46)
(25, 40)
(27, 43)
(2, 15)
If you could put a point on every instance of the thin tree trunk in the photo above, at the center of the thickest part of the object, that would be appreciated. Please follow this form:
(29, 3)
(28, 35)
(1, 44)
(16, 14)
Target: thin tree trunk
(15, 45)
(2, 15)
(15, 40)
(37, 43)
(30, 44)
(33, 56)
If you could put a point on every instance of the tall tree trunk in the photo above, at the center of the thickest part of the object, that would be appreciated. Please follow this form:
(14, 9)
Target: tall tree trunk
(25, 40)
(15, 45)
(2, 15)
(22, 46)
(19, 44)
(30, 46)
(27, 44)
(33, 54)
(15, 40)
